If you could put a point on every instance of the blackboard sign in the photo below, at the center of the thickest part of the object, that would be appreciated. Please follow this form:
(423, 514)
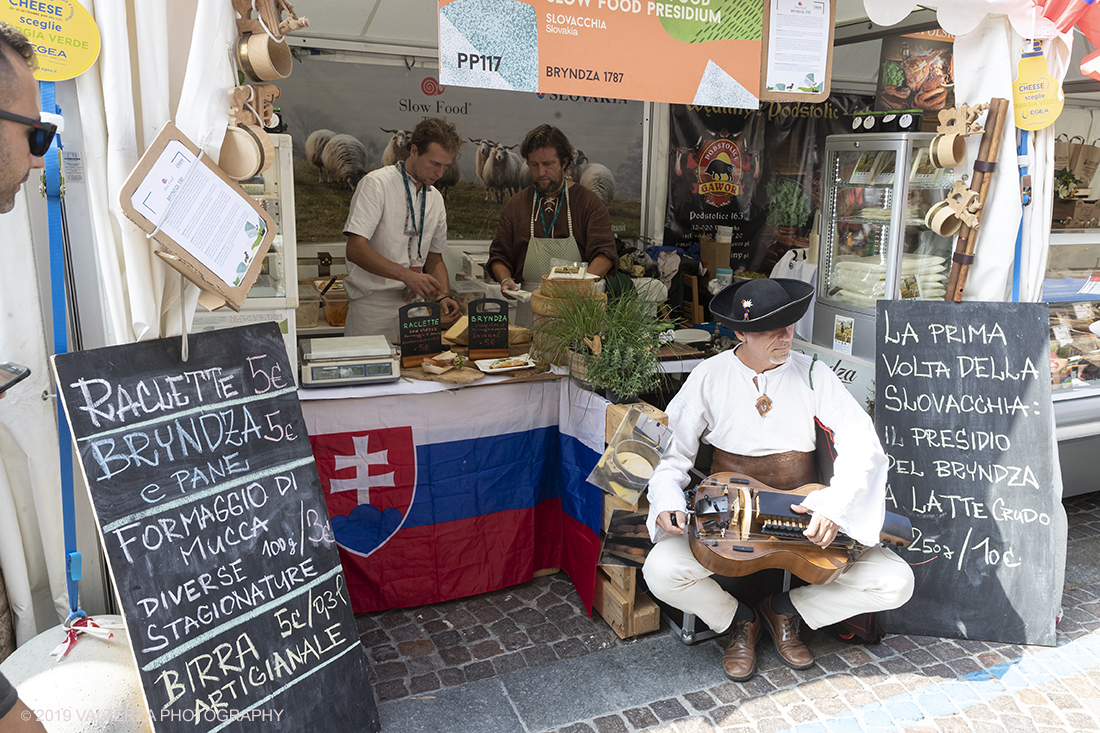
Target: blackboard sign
(204, 488)
(488, 328)
(421, 332)
(963, 408)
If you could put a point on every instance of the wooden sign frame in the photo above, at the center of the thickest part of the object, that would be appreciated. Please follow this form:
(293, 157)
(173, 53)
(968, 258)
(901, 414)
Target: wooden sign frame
(216, 291)
(415, 360)
(499, 353)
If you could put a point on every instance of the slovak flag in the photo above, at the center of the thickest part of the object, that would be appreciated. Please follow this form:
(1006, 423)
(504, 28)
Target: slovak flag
(449, 494)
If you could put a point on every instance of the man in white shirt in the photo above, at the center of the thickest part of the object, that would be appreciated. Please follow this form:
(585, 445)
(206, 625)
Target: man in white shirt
(757, 406)
(397, 233)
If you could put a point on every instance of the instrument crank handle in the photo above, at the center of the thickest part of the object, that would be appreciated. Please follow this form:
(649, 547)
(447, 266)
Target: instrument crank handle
(687, 517)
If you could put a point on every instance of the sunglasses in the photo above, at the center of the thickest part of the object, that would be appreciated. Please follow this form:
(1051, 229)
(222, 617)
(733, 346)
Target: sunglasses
(40, 135)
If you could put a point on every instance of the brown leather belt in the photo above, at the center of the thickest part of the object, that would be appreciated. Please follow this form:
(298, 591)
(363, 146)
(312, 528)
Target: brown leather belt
(782, 471)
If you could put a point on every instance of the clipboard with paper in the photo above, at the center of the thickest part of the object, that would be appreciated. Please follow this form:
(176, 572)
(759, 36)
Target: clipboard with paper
(207, 227)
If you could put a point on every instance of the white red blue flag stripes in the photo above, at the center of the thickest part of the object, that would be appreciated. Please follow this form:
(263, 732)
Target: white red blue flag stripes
(451, 494)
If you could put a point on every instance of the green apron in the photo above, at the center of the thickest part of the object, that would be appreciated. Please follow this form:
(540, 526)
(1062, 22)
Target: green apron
(540, 250)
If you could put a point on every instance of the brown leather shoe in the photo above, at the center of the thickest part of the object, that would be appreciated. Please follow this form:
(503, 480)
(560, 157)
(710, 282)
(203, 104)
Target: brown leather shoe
(739, 659)
(784, 631)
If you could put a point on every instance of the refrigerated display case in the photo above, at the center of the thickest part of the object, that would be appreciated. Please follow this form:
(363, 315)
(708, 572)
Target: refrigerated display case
(874, 242)
(1071, 287)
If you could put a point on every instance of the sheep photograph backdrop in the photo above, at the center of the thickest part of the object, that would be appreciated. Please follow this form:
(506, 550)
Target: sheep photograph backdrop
(365, 106)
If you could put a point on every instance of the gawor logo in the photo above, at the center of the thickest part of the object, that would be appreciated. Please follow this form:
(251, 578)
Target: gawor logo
(431, 87)
(721, 163)
(369, 481)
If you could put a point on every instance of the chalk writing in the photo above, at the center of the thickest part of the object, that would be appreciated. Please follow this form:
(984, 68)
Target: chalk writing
(488, 324)
(964, 414)
(216, 532)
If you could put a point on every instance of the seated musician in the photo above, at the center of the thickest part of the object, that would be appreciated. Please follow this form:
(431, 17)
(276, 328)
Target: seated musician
(757, 406)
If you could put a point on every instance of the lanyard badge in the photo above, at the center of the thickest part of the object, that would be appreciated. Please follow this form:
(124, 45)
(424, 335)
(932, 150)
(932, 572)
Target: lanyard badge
(411, 230)
(549, 233)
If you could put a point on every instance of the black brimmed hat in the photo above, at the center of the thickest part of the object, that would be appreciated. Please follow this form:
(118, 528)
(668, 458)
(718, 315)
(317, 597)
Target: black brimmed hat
(764, 304)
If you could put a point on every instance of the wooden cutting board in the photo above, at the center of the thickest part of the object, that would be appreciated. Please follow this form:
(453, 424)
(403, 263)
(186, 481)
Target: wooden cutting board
(465, 375)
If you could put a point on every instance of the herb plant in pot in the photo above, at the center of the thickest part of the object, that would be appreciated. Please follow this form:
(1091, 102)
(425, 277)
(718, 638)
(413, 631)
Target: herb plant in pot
(788, 211)
(614, 345)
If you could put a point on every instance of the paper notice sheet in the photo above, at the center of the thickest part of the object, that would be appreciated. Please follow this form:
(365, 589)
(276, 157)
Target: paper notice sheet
(204, 214)
(798, 46)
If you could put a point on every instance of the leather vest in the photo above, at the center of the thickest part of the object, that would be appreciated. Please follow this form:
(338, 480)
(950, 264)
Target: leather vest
(781, 471)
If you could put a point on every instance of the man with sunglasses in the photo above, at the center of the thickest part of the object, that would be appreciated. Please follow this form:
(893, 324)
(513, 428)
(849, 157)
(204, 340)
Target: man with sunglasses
(18, 154)
(24, 139)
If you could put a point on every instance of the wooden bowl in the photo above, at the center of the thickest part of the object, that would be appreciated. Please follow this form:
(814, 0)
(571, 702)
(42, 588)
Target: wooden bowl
(246, 151)
(262, 59)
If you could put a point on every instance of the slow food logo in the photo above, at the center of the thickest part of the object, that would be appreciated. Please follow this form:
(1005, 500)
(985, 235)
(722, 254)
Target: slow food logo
(431, 87)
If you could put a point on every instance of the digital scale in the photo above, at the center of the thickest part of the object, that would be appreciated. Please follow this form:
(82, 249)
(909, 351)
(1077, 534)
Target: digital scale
(349, 360)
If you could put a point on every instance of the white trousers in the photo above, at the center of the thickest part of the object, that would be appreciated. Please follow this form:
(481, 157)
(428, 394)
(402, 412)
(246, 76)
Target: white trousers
(878, 581)
(375, 315)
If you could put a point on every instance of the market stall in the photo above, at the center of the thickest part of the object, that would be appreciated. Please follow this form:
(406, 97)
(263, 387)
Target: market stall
(128, 295)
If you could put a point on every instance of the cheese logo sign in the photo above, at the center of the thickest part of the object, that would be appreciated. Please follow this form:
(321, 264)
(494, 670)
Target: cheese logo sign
(64, 35)
(369, 481)
(721, 164)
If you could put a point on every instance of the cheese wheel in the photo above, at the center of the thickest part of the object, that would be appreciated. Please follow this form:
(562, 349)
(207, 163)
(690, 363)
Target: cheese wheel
(542, 305)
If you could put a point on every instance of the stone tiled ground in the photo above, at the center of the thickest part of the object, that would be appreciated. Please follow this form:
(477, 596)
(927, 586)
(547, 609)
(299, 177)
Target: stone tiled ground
(421, 650)
(907, 683)
(916, 684)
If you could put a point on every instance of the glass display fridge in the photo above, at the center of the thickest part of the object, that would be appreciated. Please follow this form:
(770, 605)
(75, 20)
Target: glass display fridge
(1071, 287)
(874, 247)
(874, 242)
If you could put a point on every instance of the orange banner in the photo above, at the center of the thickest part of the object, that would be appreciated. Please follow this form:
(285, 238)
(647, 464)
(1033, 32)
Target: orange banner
(703, 52)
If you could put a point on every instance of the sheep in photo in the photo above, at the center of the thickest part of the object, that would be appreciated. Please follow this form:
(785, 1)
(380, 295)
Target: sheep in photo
(600, 181)
(450, 177)
(504, 173)
(397, 149)
(579, 163)
(484, 150)
(345, 159)
(315, 146)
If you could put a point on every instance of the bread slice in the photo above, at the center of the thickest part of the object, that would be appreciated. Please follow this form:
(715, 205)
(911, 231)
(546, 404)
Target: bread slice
(441, 363)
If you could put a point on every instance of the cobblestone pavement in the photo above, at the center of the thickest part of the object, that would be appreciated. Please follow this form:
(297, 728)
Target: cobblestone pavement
(420, 650)
(526, 659)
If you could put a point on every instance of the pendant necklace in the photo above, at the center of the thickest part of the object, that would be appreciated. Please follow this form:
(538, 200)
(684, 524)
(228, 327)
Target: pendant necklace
(763, 402)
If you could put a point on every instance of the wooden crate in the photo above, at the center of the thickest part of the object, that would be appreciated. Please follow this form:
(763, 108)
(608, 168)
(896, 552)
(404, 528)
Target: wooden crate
(612, 502)
(623, 578)
(627, 610)
(627, 615)
(615, 414)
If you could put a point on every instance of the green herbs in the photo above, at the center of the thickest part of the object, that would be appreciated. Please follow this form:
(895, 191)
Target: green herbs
(616, 342)
(892, 75)
(788, 203)
(576, 317)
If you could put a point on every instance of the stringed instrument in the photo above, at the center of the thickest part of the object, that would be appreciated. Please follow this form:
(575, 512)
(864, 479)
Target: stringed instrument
(742, 525)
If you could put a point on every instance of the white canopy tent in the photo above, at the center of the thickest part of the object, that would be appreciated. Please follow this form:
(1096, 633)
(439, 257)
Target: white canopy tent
(165, 59)
(160, 60)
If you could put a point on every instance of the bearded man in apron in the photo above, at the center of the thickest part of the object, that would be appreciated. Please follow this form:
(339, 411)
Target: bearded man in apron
(397, 233)
(759, 407)
(554, 218)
